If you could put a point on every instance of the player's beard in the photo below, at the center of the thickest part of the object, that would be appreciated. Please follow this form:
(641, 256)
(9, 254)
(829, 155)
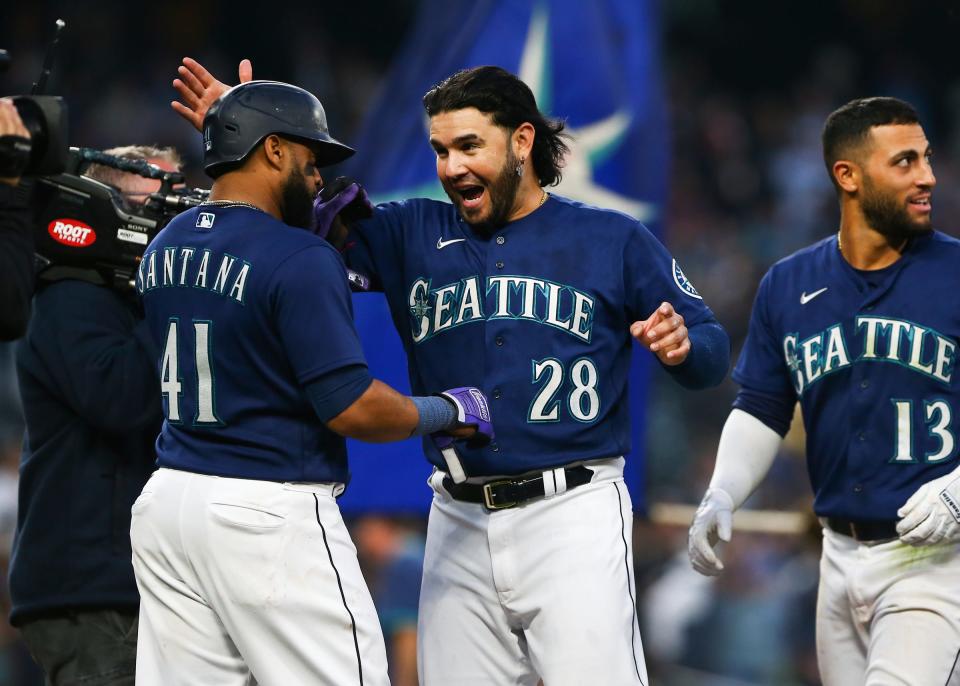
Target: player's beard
(503, 195)
(297, 201)
(889, 217)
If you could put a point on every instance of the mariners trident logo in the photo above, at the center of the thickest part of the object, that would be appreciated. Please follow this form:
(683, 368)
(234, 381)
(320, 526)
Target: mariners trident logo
(683, 283)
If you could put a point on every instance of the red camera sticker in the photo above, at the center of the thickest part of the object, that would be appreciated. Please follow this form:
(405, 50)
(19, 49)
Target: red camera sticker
(72, 232)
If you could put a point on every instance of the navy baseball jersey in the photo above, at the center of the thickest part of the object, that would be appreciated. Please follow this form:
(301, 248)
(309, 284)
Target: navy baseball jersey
(247, 311)
(870, 355)
(537, 315)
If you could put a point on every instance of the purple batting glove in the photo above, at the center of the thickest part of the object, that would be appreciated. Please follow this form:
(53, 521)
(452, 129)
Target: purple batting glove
(472, 410)
(342, 196)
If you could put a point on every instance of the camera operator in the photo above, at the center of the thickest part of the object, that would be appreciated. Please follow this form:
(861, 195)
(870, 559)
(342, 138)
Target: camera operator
(91, 397)
(16, 241)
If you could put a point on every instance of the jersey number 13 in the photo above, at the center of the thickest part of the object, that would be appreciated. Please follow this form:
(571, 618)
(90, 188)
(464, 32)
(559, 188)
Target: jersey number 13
(937, 417)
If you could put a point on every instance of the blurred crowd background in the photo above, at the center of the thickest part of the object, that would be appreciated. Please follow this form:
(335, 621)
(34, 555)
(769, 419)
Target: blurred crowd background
(749, 84)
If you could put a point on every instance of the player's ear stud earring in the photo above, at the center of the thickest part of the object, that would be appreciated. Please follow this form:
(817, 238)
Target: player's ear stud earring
(519, 168)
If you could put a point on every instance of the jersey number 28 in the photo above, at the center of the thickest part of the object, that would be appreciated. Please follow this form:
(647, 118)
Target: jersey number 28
(583, 401)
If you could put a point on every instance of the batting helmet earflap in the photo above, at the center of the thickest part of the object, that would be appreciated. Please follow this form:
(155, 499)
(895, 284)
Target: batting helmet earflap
(248, 113)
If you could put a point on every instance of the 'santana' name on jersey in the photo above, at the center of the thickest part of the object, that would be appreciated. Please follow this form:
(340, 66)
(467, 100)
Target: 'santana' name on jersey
(884, 340)
(512, 297)
(224, 274)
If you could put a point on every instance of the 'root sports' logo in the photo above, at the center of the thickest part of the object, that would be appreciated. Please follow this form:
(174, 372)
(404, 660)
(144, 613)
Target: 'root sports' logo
(72, 232)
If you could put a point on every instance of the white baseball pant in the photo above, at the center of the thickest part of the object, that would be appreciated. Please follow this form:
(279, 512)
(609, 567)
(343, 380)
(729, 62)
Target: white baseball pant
(888, 614)
(543, 590)
(249, 582)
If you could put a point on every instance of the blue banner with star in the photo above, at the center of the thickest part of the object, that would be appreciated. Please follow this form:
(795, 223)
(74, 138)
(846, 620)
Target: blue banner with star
(595, 65)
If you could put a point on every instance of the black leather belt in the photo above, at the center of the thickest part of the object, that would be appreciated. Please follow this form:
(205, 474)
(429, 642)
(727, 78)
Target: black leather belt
(505, 493)
(863, 530)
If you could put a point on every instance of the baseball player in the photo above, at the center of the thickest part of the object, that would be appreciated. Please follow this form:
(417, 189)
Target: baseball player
(246, 571)
(528, 569)
(856, 329)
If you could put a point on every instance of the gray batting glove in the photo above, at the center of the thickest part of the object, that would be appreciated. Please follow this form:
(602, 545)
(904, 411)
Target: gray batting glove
(932, 514)
(713, 522)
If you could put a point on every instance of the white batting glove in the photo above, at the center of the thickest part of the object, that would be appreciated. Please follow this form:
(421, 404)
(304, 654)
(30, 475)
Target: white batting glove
(932, 514)
(713, 522)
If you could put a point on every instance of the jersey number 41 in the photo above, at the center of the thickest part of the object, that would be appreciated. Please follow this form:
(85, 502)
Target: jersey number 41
(171, 384)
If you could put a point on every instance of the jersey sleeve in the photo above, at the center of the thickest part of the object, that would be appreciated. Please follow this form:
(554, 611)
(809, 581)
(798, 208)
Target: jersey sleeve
(374, 246)
(762, 365)
(708, 360)
(774, 410)
(651, 276)
(313, 313)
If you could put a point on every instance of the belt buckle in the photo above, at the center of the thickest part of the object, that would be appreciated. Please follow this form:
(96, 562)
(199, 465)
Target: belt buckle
(488, 495)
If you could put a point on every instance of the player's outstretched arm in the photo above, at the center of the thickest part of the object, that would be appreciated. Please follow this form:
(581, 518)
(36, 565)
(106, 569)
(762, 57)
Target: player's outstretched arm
(744, 456)
(198, 89)
(381, 414)
(932, 514)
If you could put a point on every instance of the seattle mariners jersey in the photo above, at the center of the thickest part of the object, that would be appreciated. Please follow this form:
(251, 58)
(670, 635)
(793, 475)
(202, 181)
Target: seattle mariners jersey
(538, 313)
(247, 311)
(871, 358)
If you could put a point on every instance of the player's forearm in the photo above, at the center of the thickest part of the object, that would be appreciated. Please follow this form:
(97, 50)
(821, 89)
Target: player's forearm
(745, 454)
(709, 357)
(379, 415)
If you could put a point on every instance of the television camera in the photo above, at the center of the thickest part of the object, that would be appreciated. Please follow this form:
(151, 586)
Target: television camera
(85, 224)
(83, 227)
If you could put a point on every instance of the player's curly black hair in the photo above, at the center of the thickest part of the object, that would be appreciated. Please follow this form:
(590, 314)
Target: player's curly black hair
(510, 101)
(849, 126)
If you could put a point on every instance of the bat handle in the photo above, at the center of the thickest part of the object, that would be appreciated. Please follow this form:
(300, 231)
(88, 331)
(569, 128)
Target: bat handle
(454, 466)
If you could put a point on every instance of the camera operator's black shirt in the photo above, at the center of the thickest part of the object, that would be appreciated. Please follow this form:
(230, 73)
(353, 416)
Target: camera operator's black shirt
(16, 262)
(91, 398)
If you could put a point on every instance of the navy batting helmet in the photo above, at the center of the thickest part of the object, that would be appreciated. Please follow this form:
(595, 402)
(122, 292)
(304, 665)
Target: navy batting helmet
(248, 113)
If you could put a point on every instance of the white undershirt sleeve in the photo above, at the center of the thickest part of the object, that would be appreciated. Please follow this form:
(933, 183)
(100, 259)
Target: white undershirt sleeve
(744, 456)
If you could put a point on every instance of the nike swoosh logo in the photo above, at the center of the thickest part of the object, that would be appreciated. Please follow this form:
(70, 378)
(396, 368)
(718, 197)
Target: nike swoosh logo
(441, 244)
(804, 298)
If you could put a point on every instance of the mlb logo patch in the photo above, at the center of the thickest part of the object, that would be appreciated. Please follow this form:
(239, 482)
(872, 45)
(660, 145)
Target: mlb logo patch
(205, 220)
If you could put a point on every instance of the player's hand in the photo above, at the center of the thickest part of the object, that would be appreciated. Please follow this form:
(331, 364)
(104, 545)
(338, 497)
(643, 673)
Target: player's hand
(712, 523)
(340, 203)
(14, 142)
(199, 89)
(664, 334)
(473, 419)
(932, 514)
